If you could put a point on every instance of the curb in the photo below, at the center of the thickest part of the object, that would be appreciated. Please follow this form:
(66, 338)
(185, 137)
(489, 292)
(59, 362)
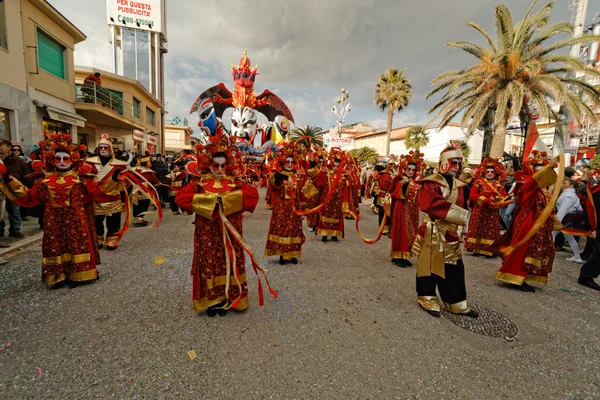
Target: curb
(28, 241)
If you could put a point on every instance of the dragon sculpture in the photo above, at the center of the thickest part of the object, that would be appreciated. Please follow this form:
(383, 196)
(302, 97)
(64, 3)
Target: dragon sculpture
(212, 103)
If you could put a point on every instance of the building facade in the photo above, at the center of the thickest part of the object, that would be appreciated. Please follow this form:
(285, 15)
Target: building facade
(178, 138)
(37, 83)
(119, 106)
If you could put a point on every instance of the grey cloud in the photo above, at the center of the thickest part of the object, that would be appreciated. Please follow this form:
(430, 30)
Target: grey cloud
(309, 49)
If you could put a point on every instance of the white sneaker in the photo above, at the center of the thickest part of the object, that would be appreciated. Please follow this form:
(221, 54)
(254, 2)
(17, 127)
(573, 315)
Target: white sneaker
(575, 259)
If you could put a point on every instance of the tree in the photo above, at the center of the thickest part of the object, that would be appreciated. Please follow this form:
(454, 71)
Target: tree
(521, 65)
(393, 92)
(365, 155)
(595, 162)
(416, 137)
(315, 134)
(466, 150)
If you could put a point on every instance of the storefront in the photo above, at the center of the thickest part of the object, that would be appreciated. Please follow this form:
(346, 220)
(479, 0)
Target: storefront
(151, 143)
(139, 142)
(61, 121)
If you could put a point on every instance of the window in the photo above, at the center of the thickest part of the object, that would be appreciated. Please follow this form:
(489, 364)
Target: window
(5, 124)
(136, 55)
(136, 107)
(3, 42)
(51, 55)
(116, 101)
(149, 116)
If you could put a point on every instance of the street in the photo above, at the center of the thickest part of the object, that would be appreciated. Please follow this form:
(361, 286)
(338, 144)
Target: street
(346, 325)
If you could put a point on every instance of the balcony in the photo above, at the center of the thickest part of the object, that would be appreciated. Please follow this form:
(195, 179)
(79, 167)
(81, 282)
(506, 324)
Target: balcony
(101, 106)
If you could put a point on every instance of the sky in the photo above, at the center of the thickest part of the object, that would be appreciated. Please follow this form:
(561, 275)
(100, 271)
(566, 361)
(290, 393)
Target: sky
(308, 50)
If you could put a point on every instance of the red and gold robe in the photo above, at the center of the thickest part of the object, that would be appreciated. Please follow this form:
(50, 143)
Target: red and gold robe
(69, 245)
(209, 264)
(285, 236)
(484, 225)
(331, 216)
(314, 190)
(531, 262)
(405, 217)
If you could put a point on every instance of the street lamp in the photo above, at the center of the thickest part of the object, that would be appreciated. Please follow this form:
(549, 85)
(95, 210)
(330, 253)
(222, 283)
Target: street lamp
(340, 110)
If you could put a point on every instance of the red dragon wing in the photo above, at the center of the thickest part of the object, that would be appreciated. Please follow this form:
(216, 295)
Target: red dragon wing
(273, 106)
(210, 93)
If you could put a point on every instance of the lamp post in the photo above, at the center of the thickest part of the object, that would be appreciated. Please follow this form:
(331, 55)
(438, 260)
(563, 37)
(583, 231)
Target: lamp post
(340, 110)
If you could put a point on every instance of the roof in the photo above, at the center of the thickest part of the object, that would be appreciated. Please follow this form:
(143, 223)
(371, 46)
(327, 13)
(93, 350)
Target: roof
(398, 133)
(60, 19)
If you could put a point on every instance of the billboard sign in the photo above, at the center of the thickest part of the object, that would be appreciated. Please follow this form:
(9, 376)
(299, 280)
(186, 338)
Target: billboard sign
(145, 15)
(342, 143)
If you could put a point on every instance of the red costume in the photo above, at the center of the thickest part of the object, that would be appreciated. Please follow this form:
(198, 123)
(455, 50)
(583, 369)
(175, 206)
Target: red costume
(69, 245)
(487, 196)
(219, 201)
(405, 208)
(331, 216)
(531, 262)
(285, 237)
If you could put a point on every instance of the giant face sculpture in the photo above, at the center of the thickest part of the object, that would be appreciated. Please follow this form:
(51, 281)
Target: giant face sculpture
(243, 122)
(208, 118)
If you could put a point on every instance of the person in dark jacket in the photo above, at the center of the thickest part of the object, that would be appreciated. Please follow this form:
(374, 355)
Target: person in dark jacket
(17, 167)
(591, 268)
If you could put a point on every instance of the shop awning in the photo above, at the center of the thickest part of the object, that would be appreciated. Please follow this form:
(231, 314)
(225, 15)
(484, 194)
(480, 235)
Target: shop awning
(65, 116)
(586, 152)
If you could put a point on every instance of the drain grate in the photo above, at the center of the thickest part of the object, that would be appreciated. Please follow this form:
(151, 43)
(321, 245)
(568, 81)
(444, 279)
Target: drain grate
(489, 323)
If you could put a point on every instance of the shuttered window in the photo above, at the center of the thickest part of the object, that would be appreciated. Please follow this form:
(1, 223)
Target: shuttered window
(51, 55)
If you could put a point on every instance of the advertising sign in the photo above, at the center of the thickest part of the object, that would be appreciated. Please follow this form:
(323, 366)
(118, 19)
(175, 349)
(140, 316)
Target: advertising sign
(145, 15)
(342, 143)
(139, 136)
(151, 140)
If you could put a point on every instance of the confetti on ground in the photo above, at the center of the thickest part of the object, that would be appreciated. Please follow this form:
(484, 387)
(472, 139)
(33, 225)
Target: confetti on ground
(192, 354)
(572, 291)
(159, 259)
(41, 374)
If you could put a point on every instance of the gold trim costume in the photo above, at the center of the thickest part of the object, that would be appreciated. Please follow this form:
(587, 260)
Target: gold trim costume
(439, 263)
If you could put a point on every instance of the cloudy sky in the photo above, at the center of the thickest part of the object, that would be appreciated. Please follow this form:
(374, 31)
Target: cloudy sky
(307, 49)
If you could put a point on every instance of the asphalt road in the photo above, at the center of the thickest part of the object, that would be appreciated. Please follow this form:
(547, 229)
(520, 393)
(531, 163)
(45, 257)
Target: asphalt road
(346, 325)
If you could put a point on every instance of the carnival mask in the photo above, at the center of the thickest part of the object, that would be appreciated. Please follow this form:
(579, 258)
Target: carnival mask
(104, 150)
(289, 164)
(454, 166)
(282, 127)
(243, 122)
(490, 173)
(410, 170)
(62, 161)
(208, 118)
(217, 167)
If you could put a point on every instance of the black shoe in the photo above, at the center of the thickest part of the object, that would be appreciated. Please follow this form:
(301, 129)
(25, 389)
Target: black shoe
(16, 234)
(589, 282)
(211, 312)
(281, 260)
(435, 313)
(334, 238)
(526, 288)
(294, 261)
(73, 284)
(471, 313)
(324, 239)
(222, 311)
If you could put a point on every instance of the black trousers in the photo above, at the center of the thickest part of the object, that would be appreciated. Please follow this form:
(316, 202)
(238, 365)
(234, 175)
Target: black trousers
(113, 224)
(452, 289)
(174, 206)
(141, 207)
(591, 268)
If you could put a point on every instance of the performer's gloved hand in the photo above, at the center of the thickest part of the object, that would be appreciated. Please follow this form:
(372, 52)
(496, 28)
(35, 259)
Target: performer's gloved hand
(279, 178)
(115, 175)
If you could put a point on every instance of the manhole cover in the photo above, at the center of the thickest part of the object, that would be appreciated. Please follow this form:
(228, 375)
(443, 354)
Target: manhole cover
(489, 323)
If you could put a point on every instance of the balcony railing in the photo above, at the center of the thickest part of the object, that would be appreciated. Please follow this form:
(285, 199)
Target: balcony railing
(95, 94)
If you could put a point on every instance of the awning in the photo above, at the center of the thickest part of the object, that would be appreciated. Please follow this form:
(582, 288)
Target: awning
(64, 116)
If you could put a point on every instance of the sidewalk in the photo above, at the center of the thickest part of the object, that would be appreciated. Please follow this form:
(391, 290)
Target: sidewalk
(31, 230)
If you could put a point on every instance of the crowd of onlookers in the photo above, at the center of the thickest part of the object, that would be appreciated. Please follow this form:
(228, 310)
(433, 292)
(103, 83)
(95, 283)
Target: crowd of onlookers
(19, 166)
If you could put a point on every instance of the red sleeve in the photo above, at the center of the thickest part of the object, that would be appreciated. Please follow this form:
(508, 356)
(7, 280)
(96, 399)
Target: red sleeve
(250, 194)
(475, 194)
(185, 197)
(320, 180)
(32, 198)
(385, 182)
(150, 177)
(432, 202)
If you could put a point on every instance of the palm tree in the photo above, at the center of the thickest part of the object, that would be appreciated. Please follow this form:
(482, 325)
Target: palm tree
(315, 134)
(521, 65)
(393, 92)
(466, 150)
(416, 137)
(365, 155)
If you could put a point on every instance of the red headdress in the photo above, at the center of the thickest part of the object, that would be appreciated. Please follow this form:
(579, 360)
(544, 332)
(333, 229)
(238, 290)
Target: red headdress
(60, 142)
(495, 163)
(415, 158)
(336, 154)
(287, 150)
(205, 154)
(535, 159)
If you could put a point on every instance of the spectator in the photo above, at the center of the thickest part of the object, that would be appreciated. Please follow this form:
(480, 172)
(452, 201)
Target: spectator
(5, 146)
(570, 214)
(17, 167)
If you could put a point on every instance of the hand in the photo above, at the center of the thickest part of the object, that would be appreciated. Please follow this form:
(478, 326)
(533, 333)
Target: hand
(115, 175)
(593, 235)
